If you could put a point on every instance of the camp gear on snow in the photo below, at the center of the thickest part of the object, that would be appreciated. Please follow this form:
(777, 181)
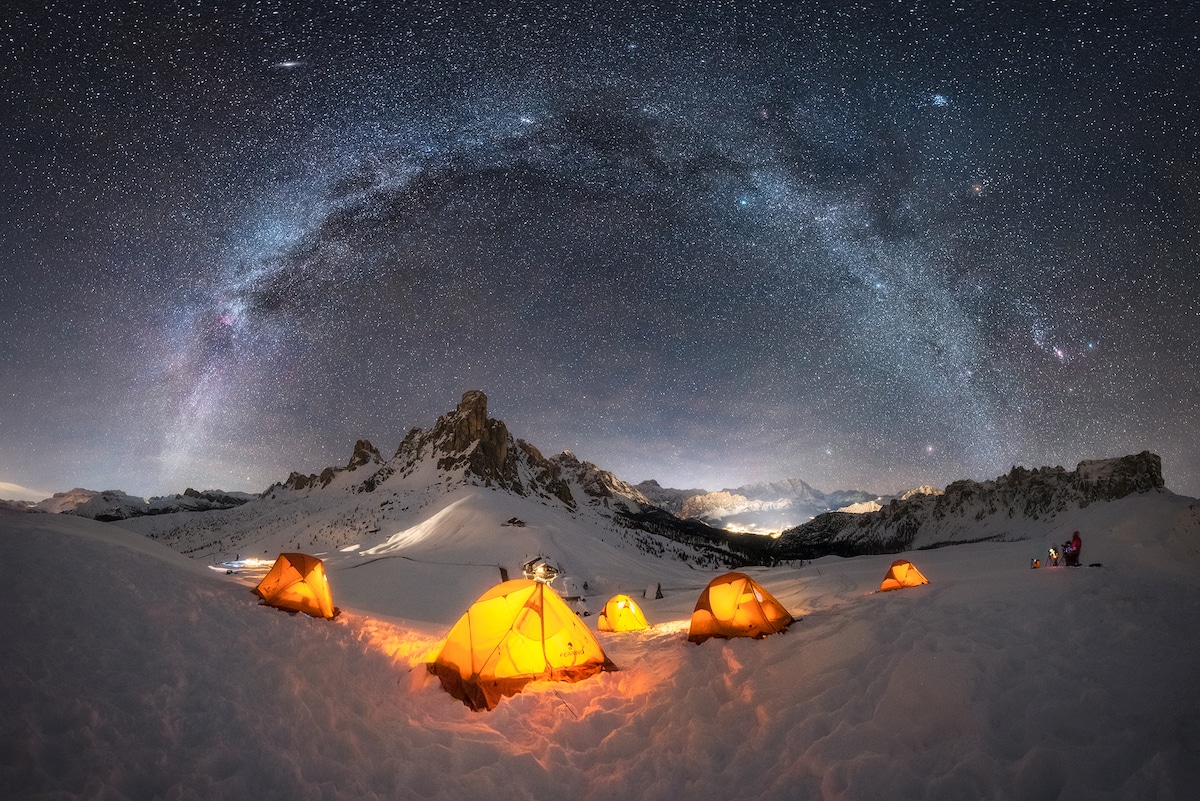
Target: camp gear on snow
(902, 574)
(297, 583)
(539, 569)
(735, 605)
(517, 632)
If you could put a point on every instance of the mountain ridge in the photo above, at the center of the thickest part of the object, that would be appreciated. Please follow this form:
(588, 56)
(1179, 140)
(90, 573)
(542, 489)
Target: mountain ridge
(463, 457)
(999, 509)
(371, 499)
(764, 507)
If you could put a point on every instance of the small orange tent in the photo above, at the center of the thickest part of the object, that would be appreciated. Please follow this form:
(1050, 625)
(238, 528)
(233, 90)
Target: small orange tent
(297, 583)
(735, 605)
(902, 574)
(517, 632)
(621, 614)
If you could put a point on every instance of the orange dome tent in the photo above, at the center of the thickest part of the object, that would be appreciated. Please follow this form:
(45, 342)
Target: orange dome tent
(621, 614)
(735, 605)
(297, 583)
(902, 574)
(517, 632)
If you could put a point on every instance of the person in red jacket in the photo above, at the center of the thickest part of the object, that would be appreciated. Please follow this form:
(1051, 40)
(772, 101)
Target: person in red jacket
(1072, 549)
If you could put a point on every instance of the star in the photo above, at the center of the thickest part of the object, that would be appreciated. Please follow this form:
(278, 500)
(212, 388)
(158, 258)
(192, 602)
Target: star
(694, 249)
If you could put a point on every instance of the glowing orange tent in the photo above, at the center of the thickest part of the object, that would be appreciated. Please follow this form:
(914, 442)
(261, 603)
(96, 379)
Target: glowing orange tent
(517, 632)
(621, 614)
(297, 583)
(735, 605)
(902, 574)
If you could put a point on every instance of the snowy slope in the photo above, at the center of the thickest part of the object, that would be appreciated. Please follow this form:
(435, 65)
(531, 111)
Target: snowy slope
(455, 544)
(131, 672)
(455, 553)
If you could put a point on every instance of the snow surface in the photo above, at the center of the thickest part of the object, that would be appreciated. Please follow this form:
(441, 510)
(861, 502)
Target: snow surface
(130, 671)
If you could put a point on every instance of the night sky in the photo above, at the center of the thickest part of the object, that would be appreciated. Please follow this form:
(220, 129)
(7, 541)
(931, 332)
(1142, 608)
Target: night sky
(868, 245)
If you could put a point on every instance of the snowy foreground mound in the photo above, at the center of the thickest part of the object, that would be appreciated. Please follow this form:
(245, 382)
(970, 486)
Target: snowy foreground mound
(128, 671)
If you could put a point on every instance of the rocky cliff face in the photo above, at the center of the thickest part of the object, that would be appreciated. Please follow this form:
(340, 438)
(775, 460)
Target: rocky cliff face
(667, 498)
(600, 486)
(365, 455)
(928, 519)
(467, 439)
(467, 446)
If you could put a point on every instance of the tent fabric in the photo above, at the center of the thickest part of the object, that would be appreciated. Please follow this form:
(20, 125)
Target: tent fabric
(902, 574)
(735, 605)
(517, 632)
(621, 614)
(297, 583)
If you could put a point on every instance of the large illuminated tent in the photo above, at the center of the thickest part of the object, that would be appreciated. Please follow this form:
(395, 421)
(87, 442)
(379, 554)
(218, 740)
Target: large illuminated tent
(621, 614)
(517, 632)
(735, 605)
(902, 574)
(297, 583)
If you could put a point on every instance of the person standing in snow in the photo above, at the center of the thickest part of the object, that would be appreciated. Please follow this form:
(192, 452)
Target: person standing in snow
(1072, 549)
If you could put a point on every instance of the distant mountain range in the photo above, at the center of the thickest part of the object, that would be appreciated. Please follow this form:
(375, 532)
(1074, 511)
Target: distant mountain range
(373, 501)
(757, 508)
(969, 511)
(110, 505)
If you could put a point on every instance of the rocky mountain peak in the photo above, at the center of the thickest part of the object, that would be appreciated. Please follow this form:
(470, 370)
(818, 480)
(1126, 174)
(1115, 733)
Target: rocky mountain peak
(471, 421)
(467, 438)
(468, 445)
(364, 454)
(599, 485)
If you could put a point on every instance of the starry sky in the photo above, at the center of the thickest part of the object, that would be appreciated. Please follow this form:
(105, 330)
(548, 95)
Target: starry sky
(869, 245)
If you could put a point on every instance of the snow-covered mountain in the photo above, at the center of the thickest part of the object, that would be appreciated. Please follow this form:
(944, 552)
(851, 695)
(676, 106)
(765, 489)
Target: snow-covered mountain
(665, 497)
(109, 505)
(463, 492)
(466, 447)
(1003, 509)
(859, 507)
(759, 508)
(468, 472)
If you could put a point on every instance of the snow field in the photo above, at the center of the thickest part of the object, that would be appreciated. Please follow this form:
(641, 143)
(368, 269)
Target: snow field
(129, 672)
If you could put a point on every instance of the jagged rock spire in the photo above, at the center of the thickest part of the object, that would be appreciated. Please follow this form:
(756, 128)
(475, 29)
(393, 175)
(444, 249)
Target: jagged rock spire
(364, 453)
(471, 419)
